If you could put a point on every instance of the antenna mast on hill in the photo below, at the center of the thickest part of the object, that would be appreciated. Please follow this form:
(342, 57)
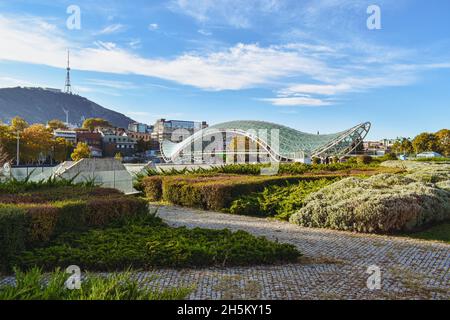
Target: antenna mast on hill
(68, 86)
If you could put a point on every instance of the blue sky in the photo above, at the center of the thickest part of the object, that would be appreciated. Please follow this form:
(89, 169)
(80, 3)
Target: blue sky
(311, 64)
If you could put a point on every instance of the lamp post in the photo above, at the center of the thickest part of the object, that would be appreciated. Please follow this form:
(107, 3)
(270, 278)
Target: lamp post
(18, 149)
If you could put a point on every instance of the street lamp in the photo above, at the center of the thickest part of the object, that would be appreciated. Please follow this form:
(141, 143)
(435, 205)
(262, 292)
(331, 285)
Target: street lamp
(18, 149)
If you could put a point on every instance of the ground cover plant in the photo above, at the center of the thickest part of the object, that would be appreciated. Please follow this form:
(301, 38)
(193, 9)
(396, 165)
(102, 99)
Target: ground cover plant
(278, 201)
(35, 285)
(147, 242)
(383, 203)
(440, 232)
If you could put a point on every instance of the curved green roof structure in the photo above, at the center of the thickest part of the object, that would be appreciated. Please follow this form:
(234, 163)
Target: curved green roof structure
(281, 142)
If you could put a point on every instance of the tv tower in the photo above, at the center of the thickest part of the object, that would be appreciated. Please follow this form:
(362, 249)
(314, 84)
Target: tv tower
(68, 86)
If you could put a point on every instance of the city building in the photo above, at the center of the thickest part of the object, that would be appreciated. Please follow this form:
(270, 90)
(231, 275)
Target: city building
(271, 142)
(379, 148)
(116, 141)
(176, 130)
(69, 135)
(136, 136)
(137, 127)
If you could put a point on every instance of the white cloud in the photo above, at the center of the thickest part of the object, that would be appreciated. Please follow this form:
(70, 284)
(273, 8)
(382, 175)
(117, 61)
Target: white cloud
(135, 43)
(8, 82)
(321, 89)
(204, 32)
(113, 28)
(153, 26)
(111, 84)
(297, 101)
(301, 73)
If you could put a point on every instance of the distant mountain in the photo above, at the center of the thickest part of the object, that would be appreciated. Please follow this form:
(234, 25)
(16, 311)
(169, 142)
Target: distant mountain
(37, 105)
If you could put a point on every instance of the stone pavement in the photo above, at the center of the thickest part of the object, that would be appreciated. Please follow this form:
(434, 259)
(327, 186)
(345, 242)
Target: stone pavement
(334, 265)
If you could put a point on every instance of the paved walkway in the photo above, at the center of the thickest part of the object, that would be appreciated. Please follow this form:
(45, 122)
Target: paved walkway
(334, 265)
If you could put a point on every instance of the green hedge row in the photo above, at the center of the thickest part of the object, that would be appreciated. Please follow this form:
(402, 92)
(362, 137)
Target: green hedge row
(63, 193)
(213, 192)
(33, 225)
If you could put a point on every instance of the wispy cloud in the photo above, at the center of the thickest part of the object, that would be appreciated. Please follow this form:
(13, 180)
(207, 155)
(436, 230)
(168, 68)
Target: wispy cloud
(111, 29)
(235, 13)
(301, 74)
(122, 85)
(204, 32)
(297, 101)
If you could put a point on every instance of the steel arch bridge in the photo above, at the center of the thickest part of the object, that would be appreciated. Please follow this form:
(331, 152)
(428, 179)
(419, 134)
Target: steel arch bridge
(281, 143)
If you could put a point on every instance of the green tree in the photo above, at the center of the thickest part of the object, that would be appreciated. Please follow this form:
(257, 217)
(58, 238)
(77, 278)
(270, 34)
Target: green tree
(443, 137)
(82, 151)
(93, 123)
(57, 124)
(403, 146)
(425, 142)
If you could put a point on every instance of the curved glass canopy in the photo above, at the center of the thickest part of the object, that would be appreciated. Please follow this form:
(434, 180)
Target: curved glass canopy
(281, 142)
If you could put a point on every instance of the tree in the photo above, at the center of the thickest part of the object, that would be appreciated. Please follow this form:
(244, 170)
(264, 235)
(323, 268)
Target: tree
(36, 143)
(403, 146)
(62, 149)
(143, 146)
(19, 124)
(425, 142)
(82, 151)
(443, 137)
(93, 123)
(56, 124)
(118, 157)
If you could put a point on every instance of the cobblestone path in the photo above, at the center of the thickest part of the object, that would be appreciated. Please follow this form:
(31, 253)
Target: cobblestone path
(334, 265)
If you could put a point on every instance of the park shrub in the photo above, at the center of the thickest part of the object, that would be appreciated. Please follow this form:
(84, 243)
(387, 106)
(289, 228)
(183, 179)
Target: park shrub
(33, 219)
(364, 159)
(218, 192)
(152, 188)
(12, 231)
(277, 201)
(151, 243)
(41, 223)
(384, 203)
(103, 211)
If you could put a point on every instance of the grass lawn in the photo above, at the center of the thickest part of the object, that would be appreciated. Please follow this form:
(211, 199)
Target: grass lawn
(35, 285)
(438, 233)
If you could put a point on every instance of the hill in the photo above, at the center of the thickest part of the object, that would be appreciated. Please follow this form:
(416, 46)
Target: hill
(37, 105)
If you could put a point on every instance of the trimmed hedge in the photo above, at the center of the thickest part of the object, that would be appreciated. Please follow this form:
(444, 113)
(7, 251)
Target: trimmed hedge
(12, 231)
(213, 192)
(152, 187)
(29, 225)
(57, 194)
